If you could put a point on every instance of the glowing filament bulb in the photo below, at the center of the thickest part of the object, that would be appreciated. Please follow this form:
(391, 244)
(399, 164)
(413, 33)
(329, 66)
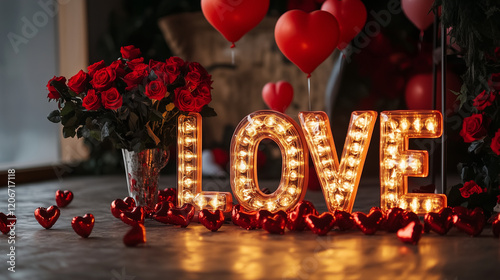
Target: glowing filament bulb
(414, 205)
(430, 125)
(270, 121)
(188, 182)
(242, 153)
(361, 122)
(349, 175)
(242, 166)
(404, 124)
(293, 175)
(189, 168)
(292, 189)
(392, 149)
(214, 202)
(280, 129)
(415, 164)
(351, 161)
(187, 195)
(355, 148)
(292, 151)
(188, 141)
(417, 124)
(188, 155)
(428, 205)
(251, 131)
(391, 197)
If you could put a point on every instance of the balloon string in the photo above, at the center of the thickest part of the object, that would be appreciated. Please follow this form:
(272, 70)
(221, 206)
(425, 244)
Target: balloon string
(232, 56)
(309, 89)
(420, 40)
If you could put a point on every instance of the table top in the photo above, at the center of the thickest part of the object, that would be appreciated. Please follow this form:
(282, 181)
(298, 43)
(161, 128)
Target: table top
(230, 253)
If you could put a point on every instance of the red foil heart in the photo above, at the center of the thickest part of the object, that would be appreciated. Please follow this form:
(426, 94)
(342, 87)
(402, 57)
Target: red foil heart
(409, 217)
(440, 222)
(211, 220)
(135, 236)
(47, 217)
(119, 206)
(460, 210)
(181, 216)
(161, 211)
(495, 226)
(471, 223)
(262, 214)
(247, 220)
(296, 217)
(369, 224)
(234, 212)
(344, 220)
(7, 222)
(274, 224)
(83, 225)
(321, 224)
(136, 216)
(63, 198)
(393, 219)
(411, 233)
(168, 194)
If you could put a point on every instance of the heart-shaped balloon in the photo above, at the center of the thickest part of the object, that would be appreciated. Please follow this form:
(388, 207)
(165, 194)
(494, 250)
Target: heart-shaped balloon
(495, 226)
(168, 194)
(247, 220)
(119, 206)
(262, 214)
(181, 216)
(296, 217)
(278, 96)
(369, 224)
(161, 211)
(234, 18)
(417, 11)
(440, 222)
(274, 224)
(63, 198)
(344, 220)
(135, 236)
(307, 39)
(321, 224)
(83, 225)
(6, 222)
(471, 222)
(411, 233)
(351, 16)
(393, 220)
(211, 220)
(47, 217)
(136, 216)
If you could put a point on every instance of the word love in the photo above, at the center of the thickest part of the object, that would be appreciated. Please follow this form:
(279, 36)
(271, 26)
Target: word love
(339, 179)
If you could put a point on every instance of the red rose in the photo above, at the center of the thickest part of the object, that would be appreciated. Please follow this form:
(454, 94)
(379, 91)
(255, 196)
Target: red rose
(203, 94)
(470, 188)
(157, 66)
(156, 90)
(78, 83)
(130, 52)
(498, 199)
(495, 143)
(484, 99)
(53, 93)
(91, 101)
(137, 63)
(134, 79)
(185, 101)
(119, 68)
(474, 128)
(103, 78)
(94, 67)
(111, 99)
(193, 79)
(173, 67)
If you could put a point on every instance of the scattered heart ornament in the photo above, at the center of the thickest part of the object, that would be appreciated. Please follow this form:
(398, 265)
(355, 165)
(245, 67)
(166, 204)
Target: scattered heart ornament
(296, 217)
(307, 39)
(136, 216)
(119, 206)
(161, 211)
(278, 96)
(6, 222)
(63, 198)
(351, 16)
(234, 212)
(135, 236)
(262, 214)
(495, 226)
(83, 225)
(211, 220)
(321, 224)
(471, 222)
(394, 219)
(247, 220)
(369, 224)
(344, 220)
(47, 217)
(440, 222)
(411, 233)
(181, 216)
(409, 217)
(274, 224)
(168, 194)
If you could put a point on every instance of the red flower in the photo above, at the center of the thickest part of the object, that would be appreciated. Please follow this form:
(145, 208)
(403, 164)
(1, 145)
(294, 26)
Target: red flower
(495, 143)
(103, 78)
(203, 94)
(78, 83)
(484, 99)
(119, 68)
(474, 128)
(470, 188)
(156, 90)
(94, 67)
(185, 101)
(137, 64)
(173, 67)
(498, 199)
(134, 79)
(130, 52)
(111, 99)
(53, 93)
(91, 101)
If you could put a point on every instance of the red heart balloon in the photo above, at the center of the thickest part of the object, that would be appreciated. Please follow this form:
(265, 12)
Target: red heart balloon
(471, 223)
(234, 18)
(47, 217)
(418, 13)
(351, 16)
(296, 217)
(307, 39)
(278, 96)
(262, 214)
(7, 222)
(394, 219)
(369, 224)
(135, 236)
(181, 216)
(344, 220)
(440, 222)
(119, 206)
(247, 220)
(83, 225)
(495, 226)
(411, 233)
(321, 224)
(63, 198)
(136, 216)
(211, 220)
(161, 211)
(274, 224)
(418, 92)
(168, 194)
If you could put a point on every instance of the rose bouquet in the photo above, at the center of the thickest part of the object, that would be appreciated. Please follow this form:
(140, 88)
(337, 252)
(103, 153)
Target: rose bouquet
(132, 103)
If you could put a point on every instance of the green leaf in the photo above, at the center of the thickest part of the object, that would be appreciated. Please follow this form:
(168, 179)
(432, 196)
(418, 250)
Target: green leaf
(132, 121)
(152, 135)
(156, 116)
(207, 111)
(69, 107)
(71, 122)
(95, 134)
(54, 116)
(69, 132)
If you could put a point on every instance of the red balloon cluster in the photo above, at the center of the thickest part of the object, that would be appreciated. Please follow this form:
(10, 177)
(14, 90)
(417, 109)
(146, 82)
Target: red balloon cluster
(351, 16)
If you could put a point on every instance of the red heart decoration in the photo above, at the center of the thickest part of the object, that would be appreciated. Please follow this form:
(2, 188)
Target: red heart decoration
(409, 217)
(274, 224)
(440, 222)
(119, 206)
(307, 39)
(236, 209)
(63, 198)
(296, 217)
(393, 219)
(351, 16)
(233, 19)
(262, 214)
(181, 216)
(168, 194)
(161, 211)
(411, 233)
(47, 217)
(495, 226)
(135, 236)
(369, 224)
(211, 220)
(278, 96)
(418, 12)
(7, 222)
(471, 223)
(136, 216)
(460, 210)
(321, 224)
(344, 220)
(247, 220)
(83, 225)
